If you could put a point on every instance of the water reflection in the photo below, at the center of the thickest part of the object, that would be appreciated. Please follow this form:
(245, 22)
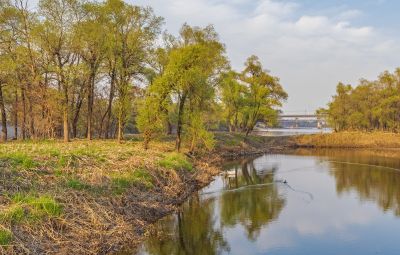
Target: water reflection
(335, 202)
(192, 230)
(374, 175)
(253, 208)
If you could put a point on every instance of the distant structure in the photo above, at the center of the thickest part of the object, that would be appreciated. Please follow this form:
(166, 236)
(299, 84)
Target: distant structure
(302, 121)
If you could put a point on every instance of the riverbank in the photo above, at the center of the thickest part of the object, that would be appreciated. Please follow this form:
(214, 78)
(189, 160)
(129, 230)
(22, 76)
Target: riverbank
(371, 140)
(98, 197)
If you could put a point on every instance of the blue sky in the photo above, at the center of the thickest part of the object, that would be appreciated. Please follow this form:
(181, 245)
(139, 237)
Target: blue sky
(310, 44)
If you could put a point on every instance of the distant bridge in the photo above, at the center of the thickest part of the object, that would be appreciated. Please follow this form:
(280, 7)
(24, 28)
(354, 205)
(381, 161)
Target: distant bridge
(302, 120)
(298, 116)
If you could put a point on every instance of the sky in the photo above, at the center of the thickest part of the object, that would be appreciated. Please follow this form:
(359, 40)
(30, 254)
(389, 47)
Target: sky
(310, 45)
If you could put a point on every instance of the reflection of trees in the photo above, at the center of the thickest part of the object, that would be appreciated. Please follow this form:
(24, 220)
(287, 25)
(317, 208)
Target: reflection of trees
(372, 183)
(253, 208)
(191, 231)
(245, 174)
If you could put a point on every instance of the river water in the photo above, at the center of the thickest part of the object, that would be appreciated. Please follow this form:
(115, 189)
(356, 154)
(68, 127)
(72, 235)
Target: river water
(304, 202)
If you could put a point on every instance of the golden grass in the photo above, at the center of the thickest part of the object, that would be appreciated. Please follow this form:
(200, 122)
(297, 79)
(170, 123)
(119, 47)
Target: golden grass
(350, 140)
(87, 197)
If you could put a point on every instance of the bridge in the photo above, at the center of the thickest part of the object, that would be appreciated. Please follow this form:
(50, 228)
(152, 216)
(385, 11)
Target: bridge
(282, 116)
(301, 120)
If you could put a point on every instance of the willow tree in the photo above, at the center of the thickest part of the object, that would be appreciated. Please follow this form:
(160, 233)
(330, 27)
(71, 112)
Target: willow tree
(189, 81)
(133, 31)
(264, 94)
(233, 94)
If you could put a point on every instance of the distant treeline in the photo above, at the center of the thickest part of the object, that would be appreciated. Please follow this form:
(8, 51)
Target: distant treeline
(75, 68)
(372, 105)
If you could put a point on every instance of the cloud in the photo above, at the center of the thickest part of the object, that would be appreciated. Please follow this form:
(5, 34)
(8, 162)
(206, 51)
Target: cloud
(310, 52)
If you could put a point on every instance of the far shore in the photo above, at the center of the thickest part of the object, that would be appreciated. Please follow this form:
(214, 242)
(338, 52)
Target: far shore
(356, 139)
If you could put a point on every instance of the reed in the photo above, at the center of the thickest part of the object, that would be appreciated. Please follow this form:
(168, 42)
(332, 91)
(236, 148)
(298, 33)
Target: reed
(350, 140)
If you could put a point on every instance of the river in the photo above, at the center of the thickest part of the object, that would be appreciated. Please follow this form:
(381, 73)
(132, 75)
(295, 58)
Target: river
(304, 202)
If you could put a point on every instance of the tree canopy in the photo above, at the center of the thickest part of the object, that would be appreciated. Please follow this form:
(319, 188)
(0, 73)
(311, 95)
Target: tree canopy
(96, 69)
(372, 105)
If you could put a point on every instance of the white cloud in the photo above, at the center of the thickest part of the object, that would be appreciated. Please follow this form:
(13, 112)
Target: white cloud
(310, 52)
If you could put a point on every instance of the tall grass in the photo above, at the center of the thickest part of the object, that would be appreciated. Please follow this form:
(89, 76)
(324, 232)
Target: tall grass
(350, 140)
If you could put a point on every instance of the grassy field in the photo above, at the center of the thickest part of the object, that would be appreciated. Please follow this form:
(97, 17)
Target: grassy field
(350, 140)
(96, 197)
(88, 197)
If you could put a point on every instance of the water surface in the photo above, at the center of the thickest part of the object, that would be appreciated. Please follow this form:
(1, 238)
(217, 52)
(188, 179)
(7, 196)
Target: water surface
(334, 202)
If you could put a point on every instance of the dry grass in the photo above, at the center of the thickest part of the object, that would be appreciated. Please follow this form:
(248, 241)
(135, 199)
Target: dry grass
(350, 140)
(89, 197)
(98, 197)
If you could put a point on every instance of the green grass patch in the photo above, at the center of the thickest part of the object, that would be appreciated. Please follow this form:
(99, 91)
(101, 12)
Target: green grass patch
(5, 237)
(30, 208)
(122, 181)
(77, 184)
(19, 160)
(176, 161)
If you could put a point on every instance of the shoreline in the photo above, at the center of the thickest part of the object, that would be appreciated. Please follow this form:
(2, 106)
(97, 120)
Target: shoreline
(106, 194)
(102, 206)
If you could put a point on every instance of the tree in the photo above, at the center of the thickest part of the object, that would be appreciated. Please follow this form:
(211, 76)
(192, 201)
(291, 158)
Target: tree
(264, 93)
(56, 34)
(134, 29)
(90, 36)
(372, 105)
(233, 97)
(5, 38)
(149, 120)
(188, 77)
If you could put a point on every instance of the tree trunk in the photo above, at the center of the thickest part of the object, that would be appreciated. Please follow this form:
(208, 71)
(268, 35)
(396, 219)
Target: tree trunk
(109, 106)
(179, 124)
(65, 115)
(76, 118)
(23, 126)
(90, 105)
(16, 115)
(65, 120)
(168, 126)
(31, 119)
(119, 130)
(3, 117)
